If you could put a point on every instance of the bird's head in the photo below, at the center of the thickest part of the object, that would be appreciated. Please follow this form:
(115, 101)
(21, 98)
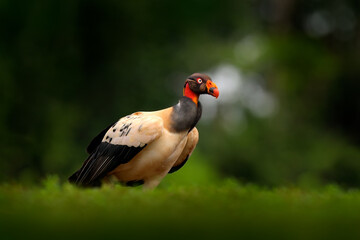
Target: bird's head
(199, 83)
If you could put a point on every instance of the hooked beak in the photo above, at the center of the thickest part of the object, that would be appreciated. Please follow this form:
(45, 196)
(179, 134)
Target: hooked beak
(212, 89)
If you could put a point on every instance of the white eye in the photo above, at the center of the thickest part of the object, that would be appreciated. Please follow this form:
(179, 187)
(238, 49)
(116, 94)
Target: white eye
(199, 80)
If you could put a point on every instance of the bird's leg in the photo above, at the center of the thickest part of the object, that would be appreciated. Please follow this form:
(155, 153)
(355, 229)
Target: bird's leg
(110, 180)
(153, 182)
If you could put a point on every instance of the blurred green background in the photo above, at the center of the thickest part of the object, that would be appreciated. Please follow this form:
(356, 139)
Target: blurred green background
(288, 74)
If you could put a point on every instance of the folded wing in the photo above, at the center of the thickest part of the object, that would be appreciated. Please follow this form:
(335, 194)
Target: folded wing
(120, 143)
(192, 140)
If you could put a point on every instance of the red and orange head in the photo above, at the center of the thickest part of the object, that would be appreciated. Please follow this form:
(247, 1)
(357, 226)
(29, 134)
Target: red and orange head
(200, 83)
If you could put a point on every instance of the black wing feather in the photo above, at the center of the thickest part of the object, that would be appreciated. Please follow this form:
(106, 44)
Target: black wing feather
(175, 168)
(103, 160)
(97, 140)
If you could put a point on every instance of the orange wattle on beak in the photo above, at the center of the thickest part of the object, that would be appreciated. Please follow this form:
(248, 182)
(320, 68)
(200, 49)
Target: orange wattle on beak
(212, 89)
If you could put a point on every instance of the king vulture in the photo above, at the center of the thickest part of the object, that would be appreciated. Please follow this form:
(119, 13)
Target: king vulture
(142, 148)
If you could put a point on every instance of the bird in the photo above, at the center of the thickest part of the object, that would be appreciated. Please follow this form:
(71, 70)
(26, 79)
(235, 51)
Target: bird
(143, 147)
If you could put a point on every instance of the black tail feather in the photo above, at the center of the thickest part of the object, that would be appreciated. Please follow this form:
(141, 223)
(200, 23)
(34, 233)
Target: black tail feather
(74, 180)
(74, 177)
(100, 162)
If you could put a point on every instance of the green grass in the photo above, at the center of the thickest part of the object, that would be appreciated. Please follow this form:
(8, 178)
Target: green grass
(221, 210)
